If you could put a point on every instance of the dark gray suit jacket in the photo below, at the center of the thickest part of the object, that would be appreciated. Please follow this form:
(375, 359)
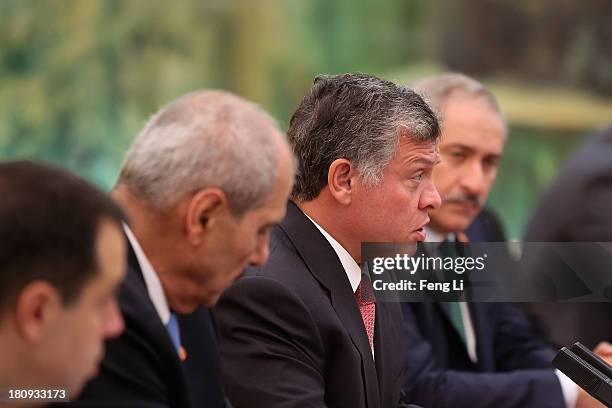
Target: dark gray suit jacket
(291, 334)
(141, 368)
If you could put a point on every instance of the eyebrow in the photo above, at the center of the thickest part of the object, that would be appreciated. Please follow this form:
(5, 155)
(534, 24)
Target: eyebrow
(422, 159)
(468, 148)
(458, 145)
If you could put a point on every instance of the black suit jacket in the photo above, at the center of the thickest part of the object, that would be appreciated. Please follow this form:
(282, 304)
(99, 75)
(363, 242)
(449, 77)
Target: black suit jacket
(141, 368)
(513, 368)
(291, 334)
(486, 228)
(576, 208)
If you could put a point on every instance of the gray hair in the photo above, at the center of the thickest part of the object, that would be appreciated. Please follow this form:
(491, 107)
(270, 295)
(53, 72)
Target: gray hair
(204, 139)
(436, 89)
(358, 117)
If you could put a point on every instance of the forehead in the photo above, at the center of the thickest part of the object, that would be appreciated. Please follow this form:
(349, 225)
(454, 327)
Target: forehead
(274, 206)
(471, 120)
(111, 250)
(411, 151)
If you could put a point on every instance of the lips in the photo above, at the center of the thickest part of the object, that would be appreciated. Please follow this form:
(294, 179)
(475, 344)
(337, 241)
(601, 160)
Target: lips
(420, 233)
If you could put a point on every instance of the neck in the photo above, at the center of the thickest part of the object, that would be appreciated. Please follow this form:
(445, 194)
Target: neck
(331, 217)
(16, 368)
(156, 233)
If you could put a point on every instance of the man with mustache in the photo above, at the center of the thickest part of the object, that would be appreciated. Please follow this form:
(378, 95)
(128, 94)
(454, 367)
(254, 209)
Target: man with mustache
(474, 354)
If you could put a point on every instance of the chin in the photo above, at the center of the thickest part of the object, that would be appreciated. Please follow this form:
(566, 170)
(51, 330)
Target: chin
(76, 387)
(454, 225)
(209, 299)
(186, 306)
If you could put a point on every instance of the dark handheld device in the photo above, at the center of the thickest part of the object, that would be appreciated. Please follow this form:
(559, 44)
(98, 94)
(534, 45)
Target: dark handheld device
(586, 369)
(592, 358)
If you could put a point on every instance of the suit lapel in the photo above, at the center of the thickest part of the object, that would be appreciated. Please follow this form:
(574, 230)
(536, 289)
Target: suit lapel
(484, 336)
(145, 306)
(139, 311)
(323, 263)
(389, 344)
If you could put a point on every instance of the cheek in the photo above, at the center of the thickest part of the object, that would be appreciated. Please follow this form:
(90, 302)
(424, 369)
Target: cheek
(81, 349)
(91, 334)
(490, 179)
(444, 177)
(237, 258)
(453, 218)
(247, 245)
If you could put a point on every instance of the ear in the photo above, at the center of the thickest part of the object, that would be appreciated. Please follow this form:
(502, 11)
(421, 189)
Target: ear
(38, 305)
(203, 211)
(341, 180)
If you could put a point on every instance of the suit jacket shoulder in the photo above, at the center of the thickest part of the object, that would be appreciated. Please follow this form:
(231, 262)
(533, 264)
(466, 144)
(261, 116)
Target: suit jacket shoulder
(294, 323)
(514, 367)
(141, 367)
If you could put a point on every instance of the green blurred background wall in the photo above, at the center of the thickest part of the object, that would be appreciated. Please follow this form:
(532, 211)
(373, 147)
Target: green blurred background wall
(78, 78)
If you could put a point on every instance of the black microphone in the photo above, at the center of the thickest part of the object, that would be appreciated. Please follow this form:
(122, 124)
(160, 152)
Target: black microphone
(593, 359)
(591, 373)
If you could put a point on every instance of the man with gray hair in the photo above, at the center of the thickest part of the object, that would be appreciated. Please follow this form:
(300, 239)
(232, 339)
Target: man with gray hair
(306, 327)
(202, 184)
(463, 353)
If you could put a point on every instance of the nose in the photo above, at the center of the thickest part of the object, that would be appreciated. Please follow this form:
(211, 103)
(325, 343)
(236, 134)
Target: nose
(113, 324)
(472, 178)
(260, 256)
(430, 198)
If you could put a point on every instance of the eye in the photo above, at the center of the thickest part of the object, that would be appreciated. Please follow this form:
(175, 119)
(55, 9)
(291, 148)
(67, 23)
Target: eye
(263, 230)
(457, 154)
(418, 176)
(490, 163)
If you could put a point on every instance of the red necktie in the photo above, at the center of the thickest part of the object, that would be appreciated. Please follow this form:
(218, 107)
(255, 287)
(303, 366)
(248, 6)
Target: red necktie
(367, 306)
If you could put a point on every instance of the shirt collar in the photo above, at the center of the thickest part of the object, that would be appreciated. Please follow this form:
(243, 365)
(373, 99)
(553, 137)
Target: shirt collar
(351, 268)
(152, 282)
(435, 236)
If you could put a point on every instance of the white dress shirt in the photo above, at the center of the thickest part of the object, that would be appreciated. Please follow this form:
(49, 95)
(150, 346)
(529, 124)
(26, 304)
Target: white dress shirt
(351, 268)
(568, 387)
(152, 282)
(470, 337)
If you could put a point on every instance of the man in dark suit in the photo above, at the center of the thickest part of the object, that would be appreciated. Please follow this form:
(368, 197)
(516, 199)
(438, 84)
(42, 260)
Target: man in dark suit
(474, 354)
(576, 208)
(486, 227)
(199, 214)
(62, 257)
(306, 327)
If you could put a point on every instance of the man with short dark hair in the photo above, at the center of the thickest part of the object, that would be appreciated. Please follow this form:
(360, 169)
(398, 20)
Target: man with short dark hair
(306, 328)
(202, 183)
(62, 257)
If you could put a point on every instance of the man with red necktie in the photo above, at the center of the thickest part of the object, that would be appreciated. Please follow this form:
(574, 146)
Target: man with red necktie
(306, 326)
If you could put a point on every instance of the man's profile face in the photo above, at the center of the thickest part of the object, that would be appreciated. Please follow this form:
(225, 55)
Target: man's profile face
(76, 344)
(237, 242)
(397, 209)
(472, 143)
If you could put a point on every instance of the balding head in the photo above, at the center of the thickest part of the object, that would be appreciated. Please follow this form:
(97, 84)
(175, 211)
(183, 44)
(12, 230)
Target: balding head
(202, 184)
(473, 137)
(438, 89)
(204, 139)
